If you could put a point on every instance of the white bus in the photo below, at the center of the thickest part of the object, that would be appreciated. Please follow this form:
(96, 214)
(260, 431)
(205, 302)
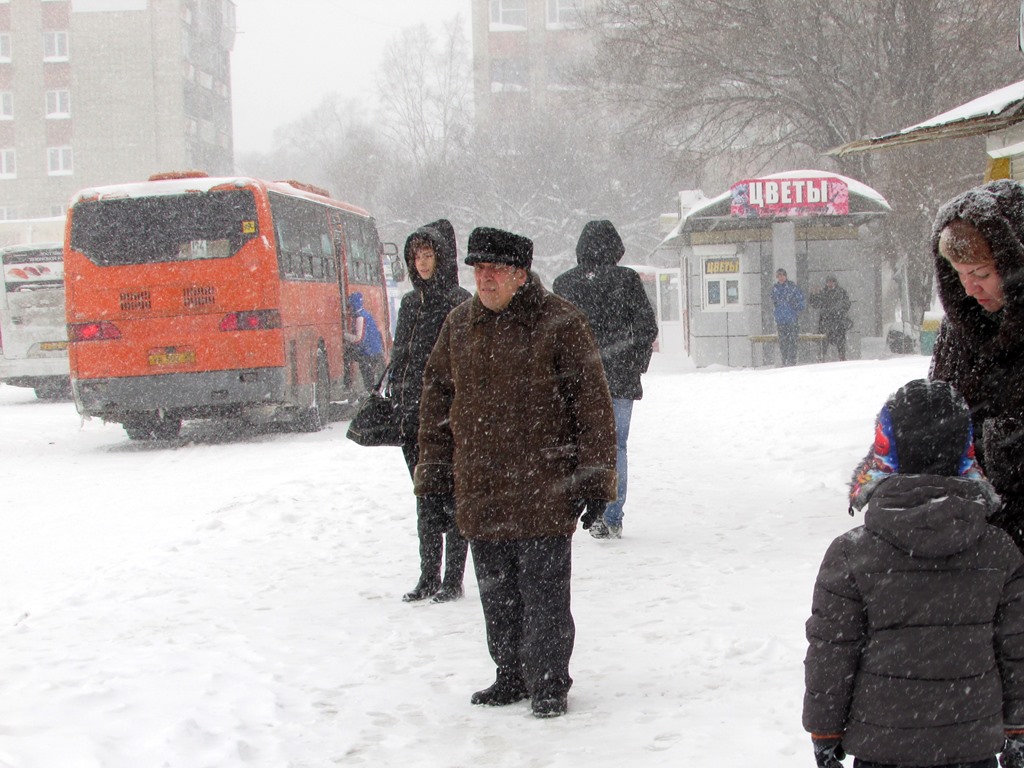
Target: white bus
(33, 330)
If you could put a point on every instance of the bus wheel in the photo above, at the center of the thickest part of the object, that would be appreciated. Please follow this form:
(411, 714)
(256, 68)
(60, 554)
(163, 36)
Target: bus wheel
(152, 427)
(316, 417)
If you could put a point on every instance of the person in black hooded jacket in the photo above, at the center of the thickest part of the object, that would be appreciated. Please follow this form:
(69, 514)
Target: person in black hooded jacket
(432, 259)
(978, 248)
(625, 326)
(915, 652)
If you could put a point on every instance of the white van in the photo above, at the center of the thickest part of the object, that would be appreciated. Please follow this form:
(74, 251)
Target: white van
(33, 330)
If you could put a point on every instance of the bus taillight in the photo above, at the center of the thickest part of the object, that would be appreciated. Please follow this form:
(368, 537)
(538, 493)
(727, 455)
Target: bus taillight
(257, 320)
(96, 331)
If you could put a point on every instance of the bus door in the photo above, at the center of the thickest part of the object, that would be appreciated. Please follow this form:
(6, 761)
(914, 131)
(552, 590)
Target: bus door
(337, 222)
(364, 272)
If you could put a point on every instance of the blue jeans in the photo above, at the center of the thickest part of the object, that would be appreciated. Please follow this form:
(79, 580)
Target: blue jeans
(623, 410)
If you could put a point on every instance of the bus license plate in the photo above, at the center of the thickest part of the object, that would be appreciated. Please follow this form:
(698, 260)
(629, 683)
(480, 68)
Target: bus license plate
(172, 356)
(53, 346)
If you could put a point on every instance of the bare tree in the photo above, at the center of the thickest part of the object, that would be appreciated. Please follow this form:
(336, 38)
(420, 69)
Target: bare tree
(425, 90)
(336, 146)
(747, 86)
(547, 173)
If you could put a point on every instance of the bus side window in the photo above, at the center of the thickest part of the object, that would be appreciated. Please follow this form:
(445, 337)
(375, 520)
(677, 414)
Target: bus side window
(363, 253)
(327, 255)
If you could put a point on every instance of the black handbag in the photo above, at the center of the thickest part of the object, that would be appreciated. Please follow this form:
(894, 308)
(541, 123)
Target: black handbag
(377, 421)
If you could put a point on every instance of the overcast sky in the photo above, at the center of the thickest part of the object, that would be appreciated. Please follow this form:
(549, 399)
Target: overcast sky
(288, 55)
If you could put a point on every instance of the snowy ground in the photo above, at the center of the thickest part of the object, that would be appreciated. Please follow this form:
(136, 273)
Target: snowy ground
(236, 601)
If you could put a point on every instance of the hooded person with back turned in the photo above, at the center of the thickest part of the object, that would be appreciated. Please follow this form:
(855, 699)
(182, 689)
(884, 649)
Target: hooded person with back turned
(916, 637)
(625, 327)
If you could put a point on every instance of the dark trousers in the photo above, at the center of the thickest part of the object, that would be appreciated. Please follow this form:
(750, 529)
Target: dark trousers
(835, 336)
(524, 590)
(788, 336)
(370, 366)
(435, 522)
(989, 763)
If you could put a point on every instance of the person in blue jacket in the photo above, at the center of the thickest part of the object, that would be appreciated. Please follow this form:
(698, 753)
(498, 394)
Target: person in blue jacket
(364, 344)
(789, 302)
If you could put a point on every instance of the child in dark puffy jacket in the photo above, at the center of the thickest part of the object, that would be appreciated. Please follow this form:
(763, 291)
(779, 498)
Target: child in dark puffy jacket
(916, 634)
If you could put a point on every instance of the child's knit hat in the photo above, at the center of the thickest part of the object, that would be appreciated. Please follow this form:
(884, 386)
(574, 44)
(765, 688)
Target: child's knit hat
(924, 428)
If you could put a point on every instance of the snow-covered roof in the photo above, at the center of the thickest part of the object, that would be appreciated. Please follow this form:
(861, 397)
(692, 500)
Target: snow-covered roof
(855, 188)
(992, 112)
(192, 184)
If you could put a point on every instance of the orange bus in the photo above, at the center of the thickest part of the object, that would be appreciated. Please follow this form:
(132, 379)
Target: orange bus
(190, 296)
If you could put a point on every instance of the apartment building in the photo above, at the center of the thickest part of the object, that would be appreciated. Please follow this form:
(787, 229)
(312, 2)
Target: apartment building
(104, 91)
(524, 52)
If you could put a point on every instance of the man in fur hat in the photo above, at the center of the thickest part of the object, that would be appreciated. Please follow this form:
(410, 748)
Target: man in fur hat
(516, 421)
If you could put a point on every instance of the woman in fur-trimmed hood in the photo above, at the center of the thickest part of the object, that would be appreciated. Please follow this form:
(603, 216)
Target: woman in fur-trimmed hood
(432, 258)
(978, 247)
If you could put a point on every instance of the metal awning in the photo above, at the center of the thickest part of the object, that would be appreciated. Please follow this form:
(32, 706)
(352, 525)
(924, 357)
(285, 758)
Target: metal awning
(994, 111)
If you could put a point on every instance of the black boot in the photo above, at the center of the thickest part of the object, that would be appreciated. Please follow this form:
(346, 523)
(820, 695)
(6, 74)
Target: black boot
(421, 591)
(455, 549)
(554, 705)
(431, 542)
(508, 688)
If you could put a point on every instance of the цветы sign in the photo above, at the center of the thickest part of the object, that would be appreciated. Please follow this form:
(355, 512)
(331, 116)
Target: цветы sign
(823, 196)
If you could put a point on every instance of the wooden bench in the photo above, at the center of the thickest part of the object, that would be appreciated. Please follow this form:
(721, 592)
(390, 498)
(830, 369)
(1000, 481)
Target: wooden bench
(773, 338)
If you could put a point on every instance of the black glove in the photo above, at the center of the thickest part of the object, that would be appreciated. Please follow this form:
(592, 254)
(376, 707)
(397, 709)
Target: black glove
(1013, 752)
(829, 753)
(594, 511)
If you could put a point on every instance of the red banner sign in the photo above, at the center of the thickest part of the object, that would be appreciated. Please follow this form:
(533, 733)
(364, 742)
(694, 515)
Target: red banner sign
(824, 196)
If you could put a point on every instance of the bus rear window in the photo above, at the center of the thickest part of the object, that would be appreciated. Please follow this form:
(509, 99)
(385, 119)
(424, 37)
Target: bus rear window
(149, 230)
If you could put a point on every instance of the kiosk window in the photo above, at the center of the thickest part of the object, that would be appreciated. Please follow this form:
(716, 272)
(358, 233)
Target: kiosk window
(722, 284)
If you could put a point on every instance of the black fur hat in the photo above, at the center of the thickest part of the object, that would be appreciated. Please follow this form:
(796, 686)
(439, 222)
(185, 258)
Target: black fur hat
(496, 246)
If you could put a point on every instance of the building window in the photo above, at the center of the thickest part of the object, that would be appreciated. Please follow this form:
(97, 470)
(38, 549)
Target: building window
(6, 105)
(8, 169)
(55, 46)
(58, 161)
(564, 13)
(508, 13)
(5, 47)
(722, 284)
(58, 104)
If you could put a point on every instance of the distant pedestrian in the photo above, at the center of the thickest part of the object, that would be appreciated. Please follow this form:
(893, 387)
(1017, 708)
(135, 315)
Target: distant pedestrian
(432, 260)
(364, 344)
(788, 301)
(517, 422)
(833, 305)
(625, 326)
(916, 637)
